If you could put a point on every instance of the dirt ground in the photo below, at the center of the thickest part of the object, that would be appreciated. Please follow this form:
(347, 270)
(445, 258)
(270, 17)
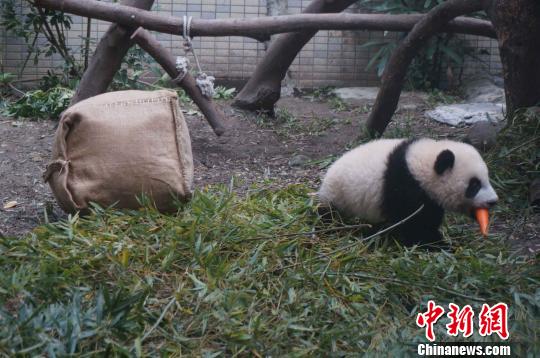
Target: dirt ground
(294, 148)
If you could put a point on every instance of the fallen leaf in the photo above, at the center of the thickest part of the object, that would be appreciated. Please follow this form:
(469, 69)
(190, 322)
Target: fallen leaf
(10, 204)
(192, 112)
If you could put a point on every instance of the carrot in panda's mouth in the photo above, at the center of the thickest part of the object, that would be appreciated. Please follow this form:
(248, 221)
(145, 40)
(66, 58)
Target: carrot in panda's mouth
(482, 217)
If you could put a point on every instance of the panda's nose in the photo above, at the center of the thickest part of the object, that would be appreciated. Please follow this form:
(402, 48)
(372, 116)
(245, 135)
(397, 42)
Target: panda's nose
(485, 198)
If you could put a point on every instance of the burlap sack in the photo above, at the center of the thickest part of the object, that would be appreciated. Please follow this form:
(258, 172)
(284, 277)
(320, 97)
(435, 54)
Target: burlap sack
(112, 148)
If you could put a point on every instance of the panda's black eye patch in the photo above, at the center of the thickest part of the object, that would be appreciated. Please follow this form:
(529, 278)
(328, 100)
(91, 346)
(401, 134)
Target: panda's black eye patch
(473, 187)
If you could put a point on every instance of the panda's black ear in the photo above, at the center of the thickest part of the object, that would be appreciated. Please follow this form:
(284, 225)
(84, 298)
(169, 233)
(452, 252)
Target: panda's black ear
(445, 161)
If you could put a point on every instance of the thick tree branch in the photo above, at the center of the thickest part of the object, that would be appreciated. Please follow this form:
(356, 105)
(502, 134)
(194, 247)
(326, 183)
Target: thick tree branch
(263, 88)
(107, 57)
(396, 69)
(261, 27)
(162, 56)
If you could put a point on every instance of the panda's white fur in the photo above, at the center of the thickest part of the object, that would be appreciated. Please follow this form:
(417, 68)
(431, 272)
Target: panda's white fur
(355, 183)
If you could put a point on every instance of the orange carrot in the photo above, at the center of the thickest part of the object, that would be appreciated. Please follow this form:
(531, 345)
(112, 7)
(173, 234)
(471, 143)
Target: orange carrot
(482, 216)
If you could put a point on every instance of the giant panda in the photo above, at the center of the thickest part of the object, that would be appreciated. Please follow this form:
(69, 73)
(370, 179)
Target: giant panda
(387, 180)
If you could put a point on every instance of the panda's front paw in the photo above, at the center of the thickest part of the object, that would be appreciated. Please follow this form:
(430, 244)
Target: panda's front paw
(431, 239)
(438, 246)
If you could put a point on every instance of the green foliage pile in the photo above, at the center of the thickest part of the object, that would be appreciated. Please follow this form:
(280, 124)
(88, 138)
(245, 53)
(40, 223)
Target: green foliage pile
(254, 275)
(40, 103)
(515, 161)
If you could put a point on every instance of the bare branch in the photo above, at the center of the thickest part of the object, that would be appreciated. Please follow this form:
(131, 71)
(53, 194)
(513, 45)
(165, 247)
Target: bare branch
(162, 56)
(261, 27)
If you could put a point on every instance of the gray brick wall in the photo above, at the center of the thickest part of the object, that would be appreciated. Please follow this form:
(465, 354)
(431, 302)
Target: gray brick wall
(330, 58)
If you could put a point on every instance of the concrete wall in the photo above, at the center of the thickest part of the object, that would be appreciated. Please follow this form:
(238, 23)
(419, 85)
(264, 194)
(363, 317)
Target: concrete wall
(330, 58)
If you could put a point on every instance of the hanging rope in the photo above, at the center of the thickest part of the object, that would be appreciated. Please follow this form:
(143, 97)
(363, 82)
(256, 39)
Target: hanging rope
(204, 81)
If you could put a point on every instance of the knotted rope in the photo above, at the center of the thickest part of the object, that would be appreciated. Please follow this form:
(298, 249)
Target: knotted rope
(204, 81)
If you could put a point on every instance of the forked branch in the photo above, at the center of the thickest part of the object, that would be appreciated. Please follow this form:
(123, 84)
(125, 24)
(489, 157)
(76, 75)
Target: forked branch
(396, 69)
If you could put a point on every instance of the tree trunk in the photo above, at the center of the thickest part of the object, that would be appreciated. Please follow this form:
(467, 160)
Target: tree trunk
(278, 8)
(263, 88)
(108, 57)
(396, 68)
(517, 24)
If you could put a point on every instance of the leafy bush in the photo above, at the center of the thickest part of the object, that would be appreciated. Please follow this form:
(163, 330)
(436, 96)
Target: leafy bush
(28, 21)
(224, 92)
(24, 19)
(134, 65)
(443, 55)
(55, 78)
(40, 104)
(5, 80)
